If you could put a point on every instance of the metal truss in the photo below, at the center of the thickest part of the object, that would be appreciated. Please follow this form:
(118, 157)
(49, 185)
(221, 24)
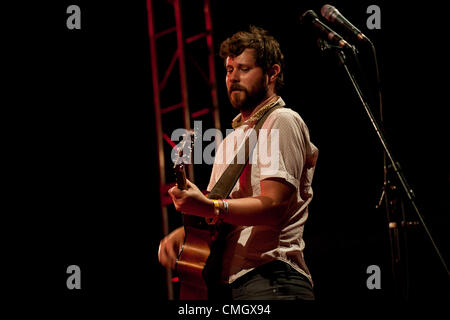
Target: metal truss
(184, 82)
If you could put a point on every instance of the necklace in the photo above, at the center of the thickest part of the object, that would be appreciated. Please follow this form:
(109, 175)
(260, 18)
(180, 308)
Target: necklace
(258, 114)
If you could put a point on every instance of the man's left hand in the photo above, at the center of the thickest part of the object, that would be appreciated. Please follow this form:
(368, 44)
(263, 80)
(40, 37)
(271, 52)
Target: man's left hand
(191, 201)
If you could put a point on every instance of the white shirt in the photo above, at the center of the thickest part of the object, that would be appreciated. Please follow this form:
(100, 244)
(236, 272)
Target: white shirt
(248, 247)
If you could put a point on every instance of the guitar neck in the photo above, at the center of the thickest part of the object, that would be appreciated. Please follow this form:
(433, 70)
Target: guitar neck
(180, 174)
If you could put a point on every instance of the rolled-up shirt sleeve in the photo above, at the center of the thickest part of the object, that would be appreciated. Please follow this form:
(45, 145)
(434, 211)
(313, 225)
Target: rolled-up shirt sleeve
(285, 152)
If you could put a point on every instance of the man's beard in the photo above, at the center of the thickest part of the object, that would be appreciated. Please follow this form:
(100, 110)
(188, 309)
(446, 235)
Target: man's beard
(247, 101)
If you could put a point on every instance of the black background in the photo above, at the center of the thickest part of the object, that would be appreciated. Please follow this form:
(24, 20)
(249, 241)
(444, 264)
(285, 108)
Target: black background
(84, 163)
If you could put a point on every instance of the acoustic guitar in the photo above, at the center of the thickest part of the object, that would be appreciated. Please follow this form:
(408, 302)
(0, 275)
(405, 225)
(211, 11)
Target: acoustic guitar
(194, 259)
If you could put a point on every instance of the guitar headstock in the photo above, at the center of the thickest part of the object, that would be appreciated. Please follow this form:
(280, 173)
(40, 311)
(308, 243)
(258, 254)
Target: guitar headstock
(183, 156)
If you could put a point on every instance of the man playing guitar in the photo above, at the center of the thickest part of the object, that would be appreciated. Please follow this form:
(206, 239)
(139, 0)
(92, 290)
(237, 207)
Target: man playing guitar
(267, 209)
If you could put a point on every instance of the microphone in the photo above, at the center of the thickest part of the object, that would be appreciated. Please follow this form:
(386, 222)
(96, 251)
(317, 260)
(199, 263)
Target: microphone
(332, 14)
(311, 17)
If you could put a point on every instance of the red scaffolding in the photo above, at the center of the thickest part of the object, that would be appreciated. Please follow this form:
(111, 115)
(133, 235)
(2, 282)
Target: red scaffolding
(170, 47)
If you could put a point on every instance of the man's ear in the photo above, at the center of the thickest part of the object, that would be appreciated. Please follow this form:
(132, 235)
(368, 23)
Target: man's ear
(273, 72)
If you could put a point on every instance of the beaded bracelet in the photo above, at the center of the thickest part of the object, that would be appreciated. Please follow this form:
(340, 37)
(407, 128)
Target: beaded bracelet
(225, 207)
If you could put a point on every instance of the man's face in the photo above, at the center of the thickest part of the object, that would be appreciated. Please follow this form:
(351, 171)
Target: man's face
(246, 82)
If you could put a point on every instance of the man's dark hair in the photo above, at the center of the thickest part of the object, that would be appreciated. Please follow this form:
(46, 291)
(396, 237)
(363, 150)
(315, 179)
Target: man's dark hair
(267, 49)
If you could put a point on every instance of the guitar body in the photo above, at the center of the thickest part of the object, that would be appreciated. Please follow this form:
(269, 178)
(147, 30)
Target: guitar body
(191, 263)
(199, 262)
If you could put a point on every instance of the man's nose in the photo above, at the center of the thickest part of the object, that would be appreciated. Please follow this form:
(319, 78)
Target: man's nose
(233, 76)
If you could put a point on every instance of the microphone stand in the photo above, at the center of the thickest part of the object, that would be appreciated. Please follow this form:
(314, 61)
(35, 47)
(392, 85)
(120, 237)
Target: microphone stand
(395, 210)
(395, 167)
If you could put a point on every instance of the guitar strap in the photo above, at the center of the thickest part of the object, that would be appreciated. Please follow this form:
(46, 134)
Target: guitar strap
(230, 176)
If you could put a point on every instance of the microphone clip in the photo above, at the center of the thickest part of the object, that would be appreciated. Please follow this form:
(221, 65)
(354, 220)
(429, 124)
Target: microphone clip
(325, 46)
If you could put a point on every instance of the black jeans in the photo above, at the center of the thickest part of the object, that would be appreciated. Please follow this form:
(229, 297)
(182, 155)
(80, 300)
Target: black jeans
(275, 280)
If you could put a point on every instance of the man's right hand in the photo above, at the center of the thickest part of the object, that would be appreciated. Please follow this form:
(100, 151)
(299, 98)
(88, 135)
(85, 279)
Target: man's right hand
(170, 246)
